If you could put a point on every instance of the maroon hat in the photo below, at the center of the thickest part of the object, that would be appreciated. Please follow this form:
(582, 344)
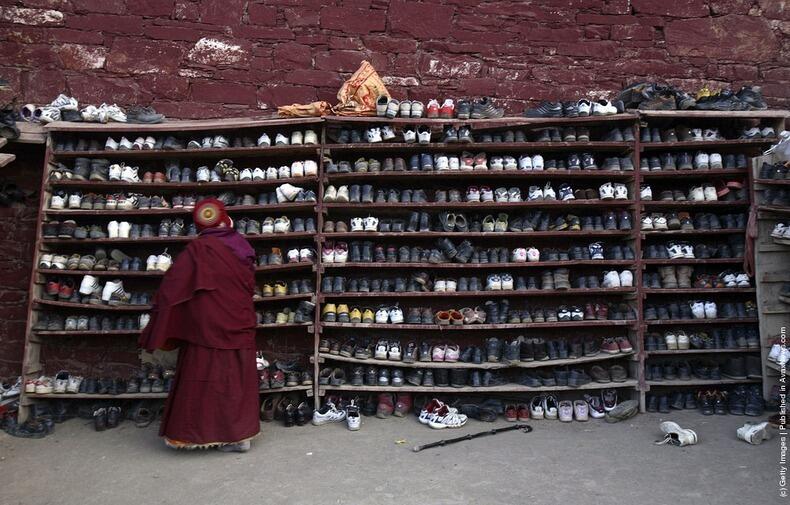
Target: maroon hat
(210, 213)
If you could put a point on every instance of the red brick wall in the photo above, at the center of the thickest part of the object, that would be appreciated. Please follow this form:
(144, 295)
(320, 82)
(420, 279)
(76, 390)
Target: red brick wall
(231, 57)
(211, 58)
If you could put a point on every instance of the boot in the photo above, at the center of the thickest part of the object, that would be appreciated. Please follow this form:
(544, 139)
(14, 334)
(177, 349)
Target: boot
(683, 274)
(547, 281)
(562, 278)
(447, 247)
(668, 277)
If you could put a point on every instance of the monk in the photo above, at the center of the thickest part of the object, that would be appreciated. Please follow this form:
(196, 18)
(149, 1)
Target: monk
(204, 308)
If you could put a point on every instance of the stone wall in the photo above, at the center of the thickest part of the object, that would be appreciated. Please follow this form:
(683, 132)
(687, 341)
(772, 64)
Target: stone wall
(215, 58)
(200, 59)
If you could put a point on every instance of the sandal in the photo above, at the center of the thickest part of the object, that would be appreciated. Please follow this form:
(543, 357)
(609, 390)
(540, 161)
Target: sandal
(86, 262)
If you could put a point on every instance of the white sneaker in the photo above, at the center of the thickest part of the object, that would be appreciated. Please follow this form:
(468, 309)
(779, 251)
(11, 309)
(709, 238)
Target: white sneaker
(258, 174)
(284, 172)
(611, 279)
(697, 194)
(548, 192)
(310, 137)
(396, 315)
(626, 279)
(525, 162)
(742, 280)
(675, 435)
(48, 114)
(64, 102)
(163, 262)
(297, 138)
(203, 174)
(702, 161)
(606, 191)
(310, 168)
(109, 288)
(409, 135)
(494, 283)
(116, 171)
(755, 433)
(715, 161)
(144, 319)
(280, 140)
(710, 310)
(330, 194)
(129, 174)
(245, 175)
(328, 413)
(519, 255)
(88, 285)
(537, 162)
(382, 316)
(111, 113)
(150, 263)
(710, 193)
(371, 223)
(57, 202)
(779, 230)
(387, 133)
(602, 108)
(646, 193)
(110, 145)
(683, 340)
(660, 222)
(112, 229)
(620, 191)
(264, 141)
(373, 134)
(73, 384)
(585, 107)
(357, 224)
(424, 135)
(533, 254)
(675, 251)
(671, 341)
(353, 419)
(647, 223)
(124, 229)
(455, 163)
(698, 310)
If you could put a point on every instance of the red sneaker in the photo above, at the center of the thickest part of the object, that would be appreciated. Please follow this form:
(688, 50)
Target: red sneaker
(403, 405)
(432, 111)
(601, 312)
(523, 412)
(609, 346)
(447, 110)
(386, 405)
(511, 414)
(53, 288)
(66, 289)
(624, 344)
(589, 312)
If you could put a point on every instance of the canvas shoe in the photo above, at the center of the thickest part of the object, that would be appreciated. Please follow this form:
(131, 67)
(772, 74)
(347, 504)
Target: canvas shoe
(373, 135)
(701, 161)
(525, 162)
(328, 413)
(698, 310)
(606, 191)
(548, 192)
(675, 435)
(611, 279)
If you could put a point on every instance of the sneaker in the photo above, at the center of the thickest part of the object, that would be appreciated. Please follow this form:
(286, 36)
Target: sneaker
(328, 413)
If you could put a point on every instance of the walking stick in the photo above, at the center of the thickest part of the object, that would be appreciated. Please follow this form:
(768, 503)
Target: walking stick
(441, 443)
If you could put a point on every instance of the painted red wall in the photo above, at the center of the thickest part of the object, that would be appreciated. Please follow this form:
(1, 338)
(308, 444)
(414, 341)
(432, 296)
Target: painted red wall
(200, 59)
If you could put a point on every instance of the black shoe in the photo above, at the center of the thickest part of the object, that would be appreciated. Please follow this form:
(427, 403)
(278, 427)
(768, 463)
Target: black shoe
(546, 109)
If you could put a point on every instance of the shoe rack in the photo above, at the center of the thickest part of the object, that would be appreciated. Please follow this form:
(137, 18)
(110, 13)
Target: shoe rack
(519, 299)
(113, 351)
(760, 271)
(771, 257)
(43, 346)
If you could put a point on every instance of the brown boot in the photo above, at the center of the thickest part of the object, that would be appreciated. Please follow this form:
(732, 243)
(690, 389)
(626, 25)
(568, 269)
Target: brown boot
(668, 277)
(684, 276)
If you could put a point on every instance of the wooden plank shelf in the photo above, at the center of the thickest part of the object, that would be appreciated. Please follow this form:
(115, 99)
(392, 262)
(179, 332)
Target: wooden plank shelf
(481, 294)
(682, 352)
(507, 388)
(694, 261)
(111, 214)
(494, 266)
(110, 186)
(700, 174)
(491, 234)
(489, 147)
(773, 182)
(299, 151)
(685, 204)
(693, 233)
(173, 240)
(684, 322)
(476, 175)
(700, 382)
(156, 274)
(471, 206)
(175, 126)
(707, 145)
(483, 327)
(88, 306)
(503, 122)
(702, 291)
(601, 356)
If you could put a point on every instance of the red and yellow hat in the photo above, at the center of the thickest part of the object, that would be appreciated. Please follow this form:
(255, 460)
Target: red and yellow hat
(210, 213)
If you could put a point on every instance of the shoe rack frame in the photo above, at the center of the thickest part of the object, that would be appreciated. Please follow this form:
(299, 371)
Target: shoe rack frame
(634, 388)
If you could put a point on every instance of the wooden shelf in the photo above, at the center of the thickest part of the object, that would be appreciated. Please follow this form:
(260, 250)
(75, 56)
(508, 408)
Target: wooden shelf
(701, 174)
(694, 261)
(662, 233)
(508, 388)
(287, 389)
(471, 206)
(111, 186)
(683, 322)
(88, 306)
(99, 333)
(175, 126)
(491, 234)
(409, 175)
(680, 352)
(706, 145)
(304, 151)
(700, 382)
(488, 147)
(773, 182)
(110, 214)
(601, 356)
(495, 266)
(715, 203)
(503, 122)
(85, 396)
(774, 208)
(285, 267)
(482, 327)
(173, 240)
(483, 294)
(713, 114)
(704, 291)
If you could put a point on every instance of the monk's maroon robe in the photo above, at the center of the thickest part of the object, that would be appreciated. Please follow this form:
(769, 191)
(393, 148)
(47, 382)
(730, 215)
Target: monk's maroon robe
(204, 308)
